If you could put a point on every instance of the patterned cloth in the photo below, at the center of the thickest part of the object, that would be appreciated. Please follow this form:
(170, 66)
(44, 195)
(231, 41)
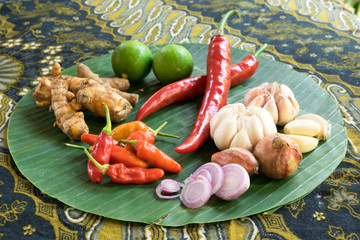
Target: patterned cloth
(316, 37)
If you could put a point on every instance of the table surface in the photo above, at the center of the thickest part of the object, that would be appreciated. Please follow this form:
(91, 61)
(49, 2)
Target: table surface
(319, 38)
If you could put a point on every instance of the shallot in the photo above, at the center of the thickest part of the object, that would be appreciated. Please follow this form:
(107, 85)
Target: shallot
(278, 155)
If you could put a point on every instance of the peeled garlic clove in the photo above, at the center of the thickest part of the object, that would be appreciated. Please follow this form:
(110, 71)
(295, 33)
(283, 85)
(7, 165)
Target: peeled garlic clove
(302, 127)
(325, 126)
(305, 143)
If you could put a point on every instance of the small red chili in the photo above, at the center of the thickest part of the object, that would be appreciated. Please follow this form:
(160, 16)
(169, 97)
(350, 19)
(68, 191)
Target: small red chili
(101, 150)
(216, 89)
(119, 173)
(154, 156)
(147, 135)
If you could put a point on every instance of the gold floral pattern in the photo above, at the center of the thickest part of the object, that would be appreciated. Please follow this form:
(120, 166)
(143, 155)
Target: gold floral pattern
(34, 34)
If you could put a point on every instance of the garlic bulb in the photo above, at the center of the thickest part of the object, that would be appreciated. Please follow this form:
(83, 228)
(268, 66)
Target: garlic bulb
(277, 98)
(235, 125)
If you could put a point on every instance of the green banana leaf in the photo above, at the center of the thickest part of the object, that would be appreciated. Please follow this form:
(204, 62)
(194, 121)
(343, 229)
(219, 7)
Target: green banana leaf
(39, 152)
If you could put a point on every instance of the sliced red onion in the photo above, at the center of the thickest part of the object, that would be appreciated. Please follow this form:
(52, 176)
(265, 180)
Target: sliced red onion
(213, 172)
(168, 186)
(196, 193)
(236, 182)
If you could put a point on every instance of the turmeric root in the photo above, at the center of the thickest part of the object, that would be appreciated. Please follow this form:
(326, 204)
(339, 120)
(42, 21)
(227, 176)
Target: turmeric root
(65, 108)
(90, 94)
(42, 93)
(121, 84)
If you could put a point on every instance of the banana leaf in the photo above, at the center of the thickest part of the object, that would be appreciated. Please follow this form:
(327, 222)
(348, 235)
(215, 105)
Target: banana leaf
(39, 152)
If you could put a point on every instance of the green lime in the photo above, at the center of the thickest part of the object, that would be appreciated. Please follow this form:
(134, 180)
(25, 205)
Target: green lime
(132, 60)
(172, 63)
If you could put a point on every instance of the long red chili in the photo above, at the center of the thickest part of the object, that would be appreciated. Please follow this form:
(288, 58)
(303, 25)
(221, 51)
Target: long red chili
(154, 156)
(101, 150)
(216, 89)
(119, 173)
(195, 86)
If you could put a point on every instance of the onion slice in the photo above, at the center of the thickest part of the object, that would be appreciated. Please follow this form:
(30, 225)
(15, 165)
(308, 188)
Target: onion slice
(213, 172)
(196, 192)
(168, 186)
(236, 182)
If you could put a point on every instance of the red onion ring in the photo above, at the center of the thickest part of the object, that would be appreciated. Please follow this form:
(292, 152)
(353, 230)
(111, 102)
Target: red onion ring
(216, 172)
(196, 192)
(236, 182)
(168, 186)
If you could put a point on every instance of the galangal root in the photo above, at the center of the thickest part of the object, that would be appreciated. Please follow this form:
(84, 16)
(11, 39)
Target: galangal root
(67, 95)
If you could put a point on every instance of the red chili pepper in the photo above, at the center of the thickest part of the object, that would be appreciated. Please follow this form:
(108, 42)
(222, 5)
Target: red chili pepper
(216, 90)
(91, 138)
(101, 150)
(195, 86)
(119, 173)
(147, 135)
(119, 155)
(154, 156)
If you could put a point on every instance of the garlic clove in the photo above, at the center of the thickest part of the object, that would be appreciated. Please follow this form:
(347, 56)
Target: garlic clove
(288, 110)
(254, 128)
(325, 126)
(218, 119)
(258, 101)
(271, 107)
(224, 133)
(251, 94)
(242, 140)
(304, 127)
(266, 120)
(306, 144)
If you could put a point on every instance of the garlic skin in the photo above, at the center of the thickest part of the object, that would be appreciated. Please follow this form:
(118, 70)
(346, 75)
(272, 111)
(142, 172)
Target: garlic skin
(235, 125)
(276, 98)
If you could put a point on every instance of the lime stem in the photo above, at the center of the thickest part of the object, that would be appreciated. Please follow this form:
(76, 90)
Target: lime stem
(107, 129)
(102, 168)
(260, 50)
(220, 30)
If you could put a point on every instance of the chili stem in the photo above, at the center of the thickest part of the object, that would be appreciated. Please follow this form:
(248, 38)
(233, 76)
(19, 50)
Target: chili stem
(107, 129)
(76, 146)
(220, 30)
(260, 50)
(157, 131)
(131, 142)
(102, 168)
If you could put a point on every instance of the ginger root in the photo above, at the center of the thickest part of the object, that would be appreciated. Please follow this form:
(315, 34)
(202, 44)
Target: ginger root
(65, 108)
(42, 93)
(66, 95)
(121, 84)
(91, 94)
